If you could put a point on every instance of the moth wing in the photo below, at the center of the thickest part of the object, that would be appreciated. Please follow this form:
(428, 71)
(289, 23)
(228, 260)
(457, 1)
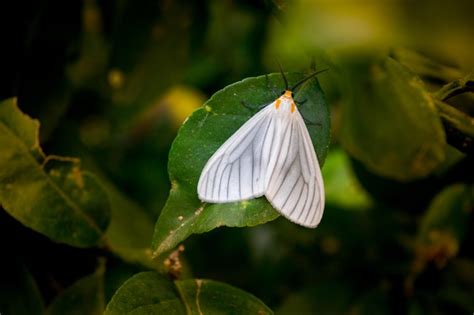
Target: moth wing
(295, 186)
(237, 169)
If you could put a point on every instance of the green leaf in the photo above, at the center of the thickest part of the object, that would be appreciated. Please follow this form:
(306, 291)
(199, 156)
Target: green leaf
(390, 122)
(445, 224)
(19, 294)
(146, 293)
(153, 293)
(49, 194)
(116, 274)
(212, 297)
(449, 211)
(85, 297)
(203, 133)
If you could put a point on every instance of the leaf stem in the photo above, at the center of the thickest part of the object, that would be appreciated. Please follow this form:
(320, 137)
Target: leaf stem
(459, 127)
(455, 87)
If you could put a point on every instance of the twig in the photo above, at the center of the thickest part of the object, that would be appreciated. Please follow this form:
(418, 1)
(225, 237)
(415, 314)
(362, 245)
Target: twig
(455, 87)
(459, 127)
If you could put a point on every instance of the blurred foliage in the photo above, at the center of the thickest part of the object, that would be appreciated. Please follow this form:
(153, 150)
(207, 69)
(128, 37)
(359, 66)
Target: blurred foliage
(401, 137)
(110, 83)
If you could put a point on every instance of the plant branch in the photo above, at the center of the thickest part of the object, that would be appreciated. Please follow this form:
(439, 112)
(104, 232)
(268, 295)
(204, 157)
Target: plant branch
(455, 87)
(459, 127)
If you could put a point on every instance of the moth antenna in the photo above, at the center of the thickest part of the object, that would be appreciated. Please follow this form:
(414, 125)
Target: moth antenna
(307, 78)
(283, 75)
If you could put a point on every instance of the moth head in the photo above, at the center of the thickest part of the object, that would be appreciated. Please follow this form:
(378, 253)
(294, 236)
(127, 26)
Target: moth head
(287, 94)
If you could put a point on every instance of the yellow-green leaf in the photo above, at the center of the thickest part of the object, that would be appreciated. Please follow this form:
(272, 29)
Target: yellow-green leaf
(390, 122)
(49, 194)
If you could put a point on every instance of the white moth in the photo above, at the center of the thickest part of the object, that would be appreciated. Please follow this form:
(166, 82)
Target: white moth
(272, 155)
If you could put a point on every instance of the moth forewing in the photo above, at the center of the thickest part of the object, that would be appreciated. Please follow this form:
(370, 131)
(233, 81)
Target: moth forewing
(272, 155)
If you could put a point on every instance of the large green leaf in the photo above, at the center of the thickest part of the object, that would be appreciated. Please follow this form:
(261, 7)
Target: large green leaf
(153, 293)
(390, 122)
(49, 194)
(84, 297)
(203, 133)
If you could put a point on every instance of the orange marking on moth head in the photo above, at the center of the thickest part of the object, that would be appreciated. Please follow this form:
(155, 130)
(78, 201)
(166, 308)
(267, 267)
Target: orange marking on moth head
(277, 103)
(293, 107)
(288, 94)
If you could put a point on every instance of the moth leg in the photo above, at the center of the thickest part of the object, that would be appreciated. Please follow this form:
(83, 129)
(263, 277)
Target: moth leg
(258, 107)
